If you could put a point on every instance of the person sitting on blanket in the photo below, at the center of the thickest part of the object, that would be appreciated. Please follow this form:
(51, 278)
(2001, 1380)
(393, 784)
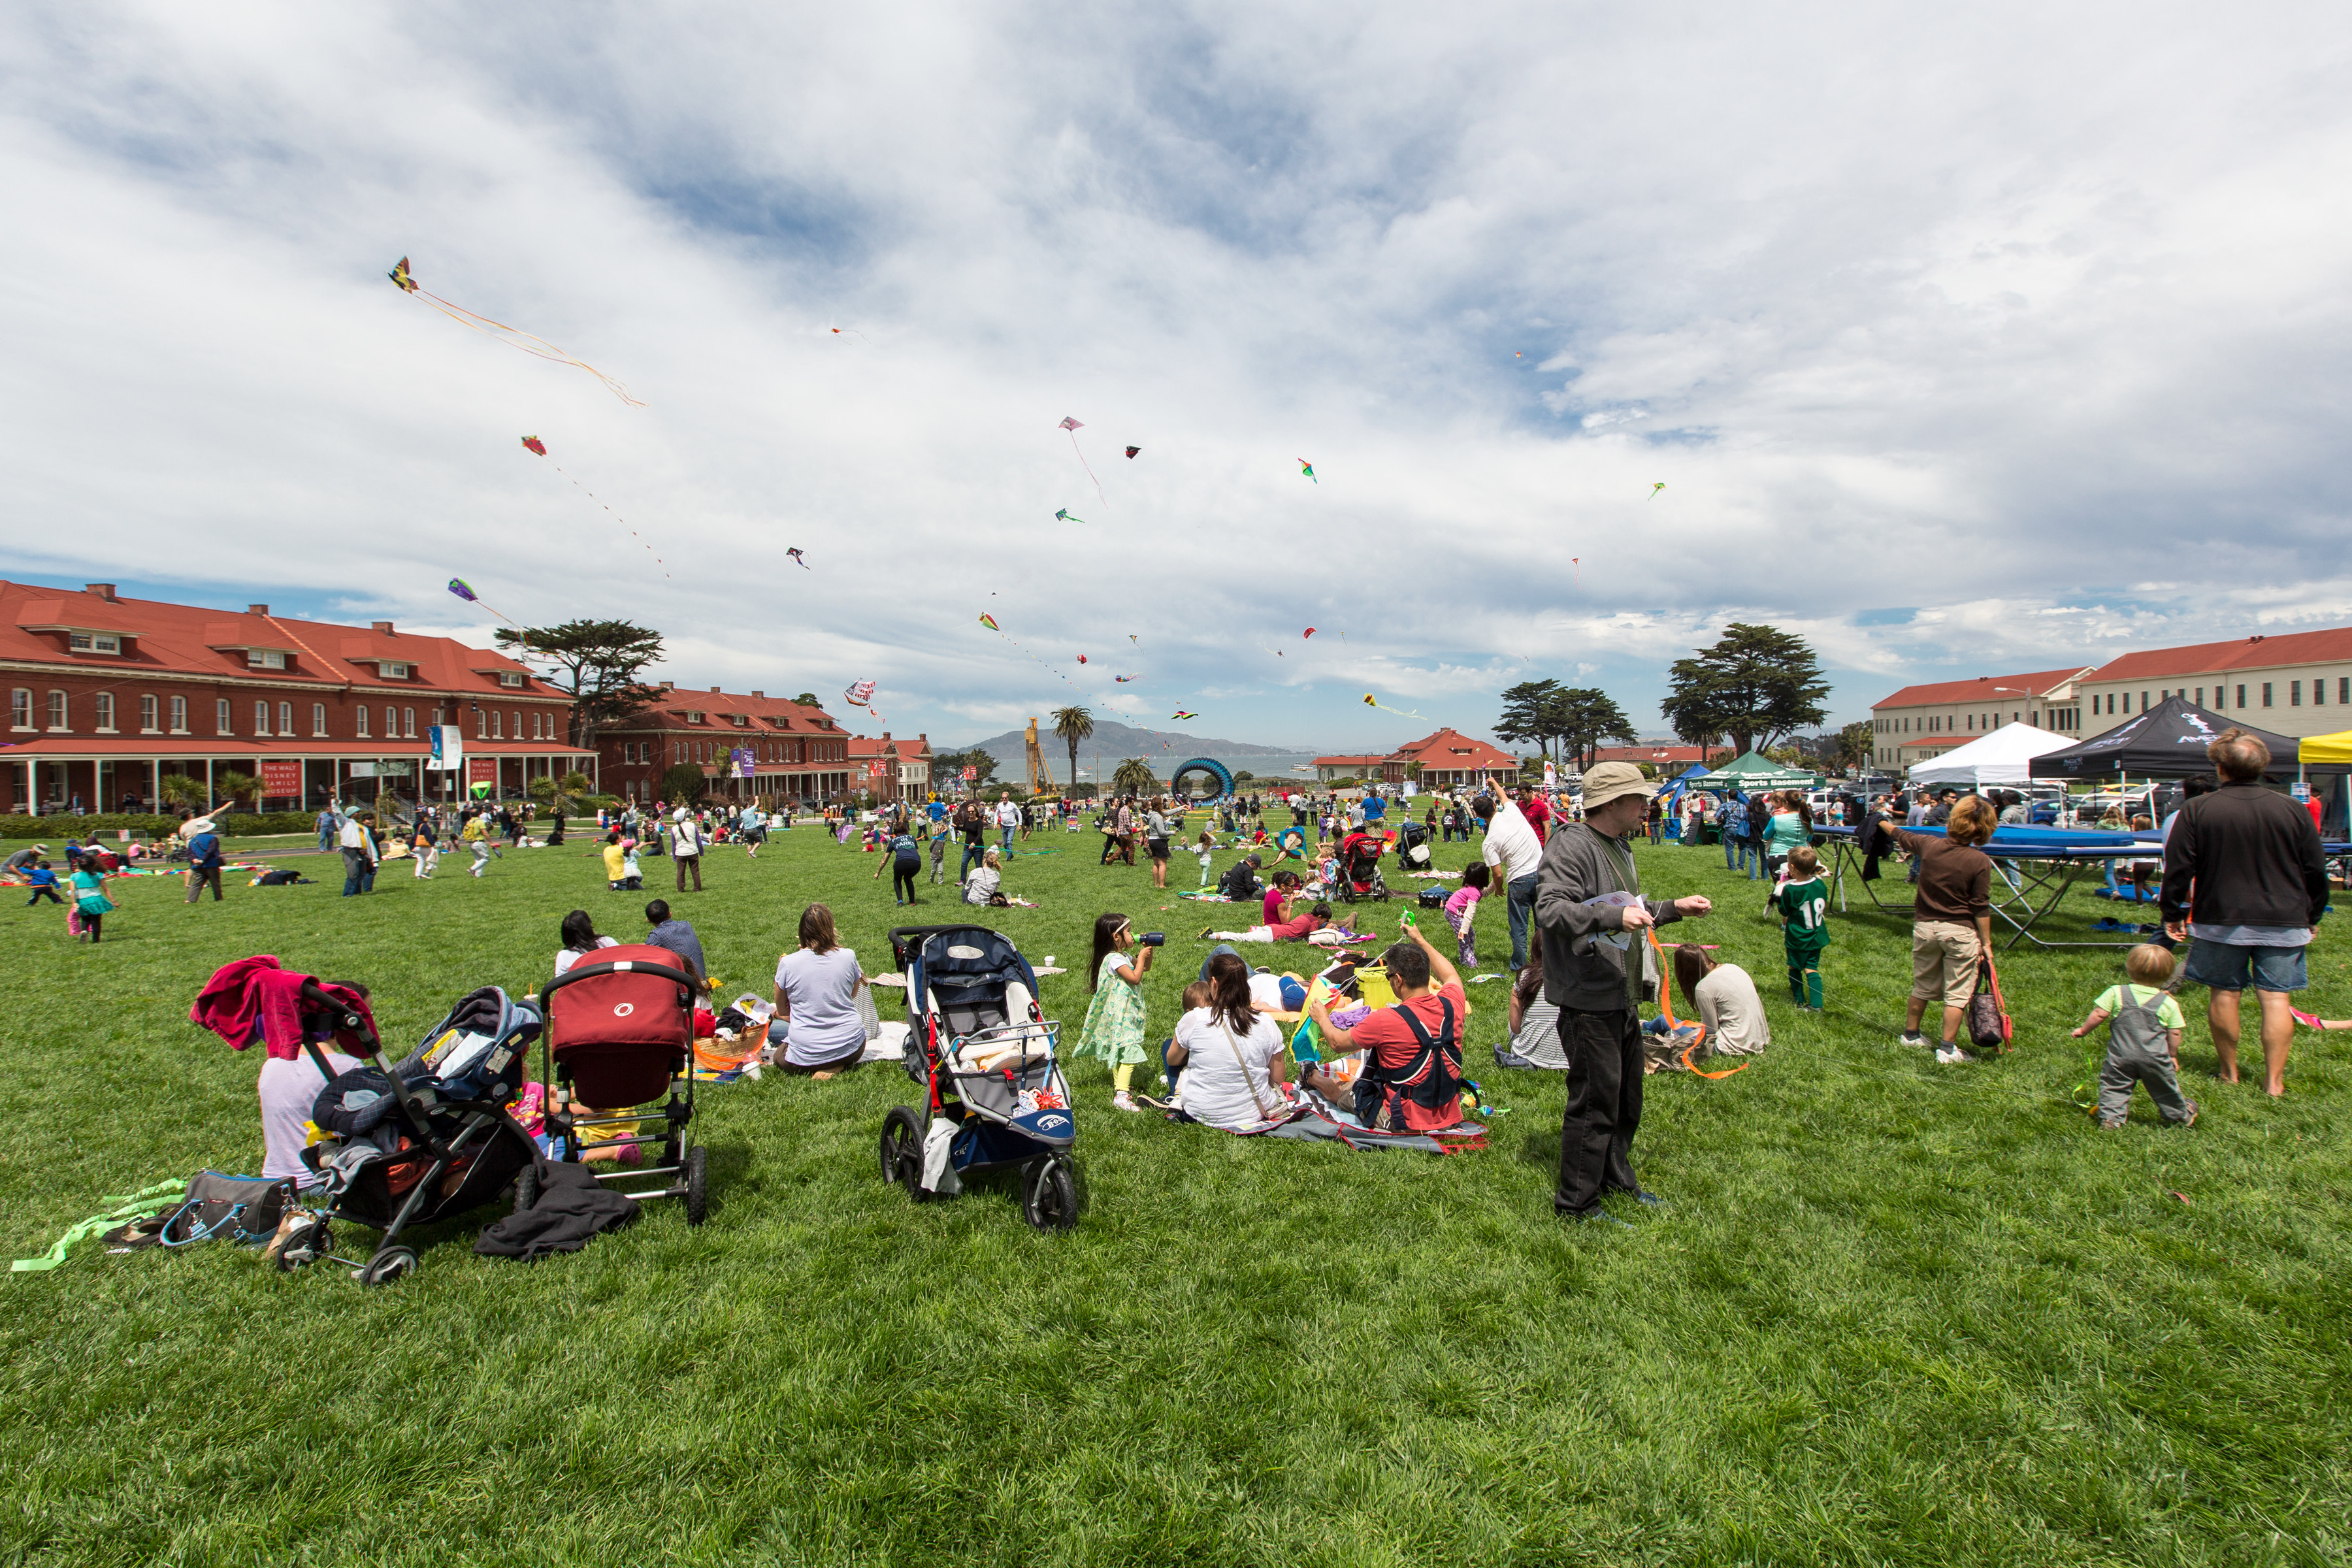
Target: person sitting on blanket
(1302, 928)
(1226, 1064)
(1412, 1078)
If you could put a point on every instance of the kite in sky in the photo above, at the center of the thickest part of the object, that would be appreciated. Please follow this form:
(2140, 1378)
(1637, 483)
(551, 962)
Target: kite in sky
(465, 591)
(989, 622)
(1657, 487)
(513, 337)
(854, 333)
(1082, 658)
(533, 443)
(1310, 631)
(1131, 451)
(1123, 680)
(1073, 427)
(1308, 469)
(1062, 514)
(860, 694)
(796, 555)
(1180, 713)
(1372, 702)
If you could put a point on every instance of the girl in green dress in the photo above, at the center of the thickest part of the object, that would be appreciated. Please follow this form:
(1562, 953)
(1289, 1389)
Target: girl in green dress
(1114, 1026)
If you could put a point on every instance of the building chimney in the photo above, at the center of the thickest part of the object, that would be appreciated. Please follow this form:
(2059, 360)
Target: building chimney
(714, 691)
(249, 609)
(104, 590)
(885, 734)
(669, 686)
(760, 695)
(383, 628)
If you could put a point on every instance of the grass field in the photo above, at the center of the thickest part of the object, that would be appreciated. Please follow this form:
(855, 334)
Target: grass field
(1892, 1313)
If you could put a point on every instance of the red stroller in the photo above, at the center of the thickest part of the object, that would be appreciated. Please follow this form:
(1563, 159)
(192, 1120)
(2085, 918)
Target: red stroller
(620, 1035)
(1359, 866)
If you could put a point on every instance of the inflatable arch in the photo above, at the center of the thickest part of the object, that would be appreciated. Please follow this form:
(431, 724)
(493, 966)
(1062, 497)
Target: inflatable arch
(1214, 769)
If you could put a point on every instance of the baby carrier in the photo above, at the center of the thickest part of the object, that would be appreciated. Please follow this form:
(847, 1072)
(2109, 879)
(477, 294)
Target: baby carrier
(410, 1144)
(1431, 1079)
(983, 1051)
(620, 1037)
(1412, 847)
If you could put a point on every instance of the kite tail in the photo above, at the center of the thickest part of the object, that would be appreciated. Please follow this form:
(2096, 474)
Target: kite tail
(1073, 434)
(516, 338)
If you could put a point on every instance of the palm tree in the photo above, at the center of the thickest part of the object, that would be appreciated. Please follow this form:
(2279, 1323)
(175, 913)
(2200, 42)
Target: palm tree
(1134, 777)
(179, 789)
(559, 795)
(1074, 725)
(238, 789)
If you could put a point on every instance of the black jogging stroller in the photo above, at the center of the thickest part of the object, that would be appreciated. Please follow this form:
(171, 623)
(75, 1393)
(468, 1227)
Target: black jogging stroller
(423, 1140)
(982, 1050)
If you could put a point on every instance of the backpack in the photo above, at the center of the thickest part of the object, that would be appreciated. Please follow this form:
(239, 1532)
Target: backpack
(1990, 1025)
(243, 1209)
(1431, 1079)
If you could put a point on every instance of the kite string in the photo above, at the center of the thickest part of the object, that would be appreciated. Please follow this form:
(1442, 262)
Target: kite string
(623, 522)
(1073, 434)
(484, 325)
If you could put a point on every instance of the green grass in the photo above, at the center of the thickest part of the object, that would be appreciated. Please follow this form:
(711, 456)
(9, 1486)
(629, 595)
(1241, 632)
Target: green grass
(1893, 1313)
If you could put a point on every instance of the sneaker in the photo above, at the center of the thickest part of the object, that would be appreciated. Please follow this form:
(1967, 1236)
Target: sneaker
(1204, 932)
(1643, 1195)
(1952, 1055)
(1914, 1038)
(1123, 1101)
(2190, 1120)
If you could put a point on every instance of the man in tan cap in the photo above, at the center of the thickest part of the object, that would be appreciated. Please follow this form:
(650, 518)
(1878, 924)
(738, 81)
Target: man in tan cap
(1594, 954)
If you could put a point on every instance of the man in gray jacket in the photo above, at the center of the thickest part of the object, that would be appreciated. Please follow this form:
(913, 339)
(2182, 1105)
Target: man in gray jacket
(1592, 956)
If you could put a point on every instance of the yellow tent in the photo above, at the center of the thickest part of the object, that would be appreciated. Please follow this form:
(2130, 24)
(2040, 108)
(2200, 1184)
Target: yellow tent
(2335, 748)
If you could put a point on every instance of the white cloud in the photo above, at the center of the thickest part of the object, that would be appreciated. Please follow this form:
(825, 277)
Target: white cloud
(2046, 345)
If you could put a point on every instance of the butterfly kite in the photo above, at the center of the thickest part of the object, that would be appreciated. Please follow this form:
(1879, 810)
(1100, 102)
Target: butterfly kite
(1180, 713)
(465, 591)
(1131, 451)
(1308, 469)
(533, 444)
(513, 337)
(802, 560)
(1372, 702)
(1074, 427)
(1062, 514)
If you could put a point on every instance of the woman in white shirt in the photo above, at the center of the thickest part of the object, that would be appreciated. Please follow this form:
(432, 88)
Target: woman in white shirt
(1227, 1058)
(1725, 1000)
(985, 878)
(580, 938)
(817, 1002)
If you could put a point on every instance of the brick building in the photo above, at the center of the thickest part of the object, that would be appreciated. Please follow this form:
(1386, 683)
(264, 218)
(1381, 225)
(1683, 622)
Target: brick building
(108, 695)
(1449, 760)
(1923, 721)
(792, 749)
(893, 770)
(2290, 683)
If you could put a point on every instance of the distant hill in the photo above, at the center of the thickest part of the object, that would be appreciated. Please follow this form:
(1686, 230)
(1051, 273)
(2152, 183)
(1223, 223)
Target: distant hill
(1163, 749)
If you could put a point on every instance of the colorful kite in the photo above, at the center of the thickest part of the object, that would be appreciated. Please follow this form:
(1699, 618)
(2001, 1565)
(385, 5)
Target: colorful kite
(1123, 680)
(465, 591)
(1308, 469)
(1062, 514)
(1310, 631)
(860, 694)
(796, 555)
(513, 337)
(1131, 451)
(854, 333)
(1655, 488)
(1082, 658)
(1180, 713)
(1072, 426)
(989, 622)
(534, 444)
(1578, 561)
(1372, 702)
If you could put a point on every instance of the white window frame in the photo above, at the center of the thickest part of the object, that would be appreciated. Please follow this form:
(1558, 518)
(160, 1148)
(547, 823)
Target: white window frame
(102, 718)
(261, 718)
(286, 719)
(149, 714)
(61, 711)
(392, 669)
(94, 642)
(224, 716)
(179, 715)
(360, 711)
(391, 723)
(408, 723)
(265, 658)
(20, 708)
(318, 721)
(511, 679)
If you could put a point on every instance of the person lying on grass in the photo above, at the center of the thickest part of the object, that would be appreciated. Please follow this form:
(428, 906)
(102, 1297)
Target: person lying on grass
(1412, 1077)
(1302, 928)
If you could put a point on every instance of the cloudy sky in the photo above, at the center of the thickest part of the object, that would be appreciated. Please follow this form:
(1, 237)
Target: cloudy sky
(1969, 340)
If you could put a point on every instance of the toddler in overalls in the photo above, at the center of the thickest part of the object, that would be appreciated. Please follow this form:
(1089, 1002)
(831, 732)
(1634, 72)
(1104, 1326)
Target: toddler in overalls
(2144, 1024)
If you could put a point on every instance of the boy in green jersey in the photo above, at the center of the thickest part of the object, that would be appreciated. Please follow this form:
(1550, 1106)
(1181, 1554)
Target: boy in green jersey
(1803, 905)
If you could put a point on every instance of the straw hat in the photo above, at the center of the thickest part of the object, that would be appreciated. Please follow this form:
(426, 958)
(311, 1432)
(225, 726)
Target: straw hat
(1606, 781)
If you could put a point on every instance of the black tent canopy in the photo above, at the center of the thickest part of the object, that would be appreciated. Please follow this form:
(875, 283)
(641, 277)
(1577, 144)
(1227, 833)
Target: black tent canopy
(2168, 741)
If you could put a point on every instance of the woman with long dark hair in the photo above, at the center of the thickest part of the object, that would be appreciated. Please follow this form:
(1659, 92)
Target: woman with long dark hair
(1230, 1055)
(817, 1002)
(579, 938)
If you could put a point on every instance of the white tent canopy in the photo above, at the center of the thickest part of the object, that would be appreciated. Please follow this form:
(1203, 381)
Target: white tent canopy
(2002, 757)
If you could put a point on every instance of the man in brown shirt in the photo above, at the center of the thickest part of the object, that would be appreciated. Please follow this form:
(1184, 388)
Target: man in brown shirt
(1951, 919)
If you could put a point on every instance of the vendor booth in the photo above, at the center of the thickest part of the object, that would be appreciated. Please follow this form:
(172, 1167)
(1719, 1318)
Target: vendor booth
(2003, 757)
(1755, 770)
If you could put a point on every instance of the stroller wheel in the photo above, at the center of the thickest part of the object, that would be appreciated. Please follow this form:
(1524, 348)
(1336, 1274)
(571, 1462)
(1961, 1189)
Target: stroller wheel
(1049, 1197)
(393, 1263)
(697, 1191)
(304, 1245)
(526, 1189)
(902, 1152)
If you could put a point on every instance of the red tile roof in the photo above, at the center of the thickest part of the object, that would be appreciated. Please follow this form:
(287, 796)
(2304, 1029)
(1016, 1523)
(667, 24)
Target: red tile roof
(193, 640)
(1372, 761)
(2331, 647)
(863, 747)
(719, 710)
(1451, 749)
(1684, 754)
(1979, 690)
